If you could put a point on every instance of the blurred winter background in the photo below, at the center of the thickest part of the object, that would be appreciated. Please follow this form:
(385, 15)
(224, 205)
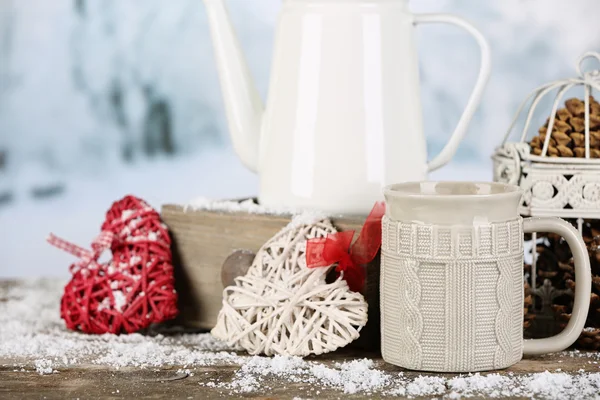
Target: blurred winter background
(101, 98)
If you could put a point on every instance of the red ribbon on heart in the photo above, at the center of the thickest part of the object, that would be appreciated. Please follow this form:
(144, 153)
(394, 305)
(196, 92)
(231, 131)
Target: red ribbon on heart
(350, 258)
(88, 258)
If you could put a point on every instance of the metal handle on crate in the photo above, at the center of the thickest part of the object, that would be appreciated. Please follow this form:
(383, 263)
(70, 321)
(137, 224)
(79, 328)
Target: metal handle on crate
(583, 286)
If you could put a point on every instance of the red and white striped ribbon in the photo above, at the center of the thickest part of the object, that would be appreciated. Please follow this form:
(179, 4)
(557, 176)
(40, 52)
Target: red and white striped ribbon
(87, 257)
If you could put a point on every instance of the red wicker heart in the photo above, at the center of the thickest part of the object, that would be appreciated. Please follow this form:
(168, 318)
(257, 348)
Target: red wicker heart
(133, 290)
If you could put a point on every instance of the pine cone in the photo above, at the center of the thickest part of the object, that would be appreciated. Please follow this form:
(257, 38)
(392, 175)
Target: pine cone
(568, 135)
(589, 339)
(528, 315)
(555, 262)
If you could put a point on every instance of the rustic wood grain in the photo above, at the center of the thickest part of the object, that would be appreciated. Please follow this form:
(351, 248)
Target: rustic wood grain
(93, 381)
(87, 380)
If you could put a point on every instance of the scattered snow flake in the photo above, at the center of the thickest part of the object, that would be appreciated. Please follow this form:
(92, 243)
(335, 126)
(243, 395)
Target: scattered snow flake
(134, 260)
(120, 299)
(126, 214)
(104, 304)
(44, 366)
(248, 206)
(31, 328)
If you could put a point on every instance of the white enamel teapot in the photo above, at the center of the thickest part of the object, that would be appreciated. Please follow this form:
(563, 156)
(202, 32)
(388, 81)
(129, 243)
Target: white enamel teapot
(343, 116)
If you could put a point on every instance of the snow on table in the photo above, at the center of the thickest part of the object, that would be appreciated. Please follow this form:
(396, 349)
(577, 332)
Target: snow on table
(38, 356)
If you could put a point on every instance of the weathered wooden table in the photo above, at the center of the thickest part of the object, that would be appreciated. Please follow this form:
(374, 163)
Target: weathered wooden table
(40, 359)
(93, 381)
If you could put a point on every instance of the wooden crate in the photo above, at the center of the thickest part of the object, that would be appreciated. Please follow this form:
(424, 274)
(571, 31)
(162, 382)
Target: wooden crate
(203, 239)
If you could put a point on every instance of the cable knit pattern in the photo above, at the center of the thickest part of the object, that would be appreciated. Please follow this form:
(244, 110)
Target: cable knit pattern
(451, 295)
(407, 324)
(504, 294)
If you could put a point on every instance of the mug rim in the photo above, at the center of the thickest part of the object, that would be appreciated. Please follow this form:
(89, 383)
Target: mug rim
(403, 190)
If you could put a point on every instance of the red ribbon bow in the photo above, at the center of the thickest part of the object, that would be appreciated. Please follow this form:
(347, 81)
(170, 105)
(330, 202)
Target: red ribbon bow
(338, 248)
(88, 258)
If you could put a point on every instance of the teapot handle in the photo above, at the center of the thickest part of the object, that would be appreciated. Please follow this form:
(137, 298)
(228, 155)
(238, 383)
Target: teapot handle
(484, 73)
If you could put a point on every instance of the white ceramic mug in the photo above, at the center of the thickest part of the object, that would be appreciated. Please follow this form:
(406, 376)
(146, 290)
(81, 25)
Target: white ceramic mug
(452, 277)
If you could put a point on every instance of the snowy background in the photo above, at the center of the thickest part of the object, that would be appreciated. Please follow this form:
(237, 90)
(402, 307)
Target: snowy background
(102, 98)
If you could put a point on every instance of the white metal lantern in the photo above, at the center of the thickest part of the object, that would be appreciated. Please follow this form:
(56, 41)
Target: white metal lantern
(566, 187)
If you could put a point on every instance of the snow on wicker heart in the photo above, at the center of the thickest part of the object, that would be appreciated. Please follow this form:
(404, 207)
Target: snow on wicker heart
(136, 287)
(282, 307)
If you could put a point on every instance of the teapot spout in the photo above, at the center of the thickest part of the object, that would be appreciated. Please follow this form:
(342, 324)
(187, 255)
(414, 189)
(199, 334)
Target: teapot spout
(243, 105)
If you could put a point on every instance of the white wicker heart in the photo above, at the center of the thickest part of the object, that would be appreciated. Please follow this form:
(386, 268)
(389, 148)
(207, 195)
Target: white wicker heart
(282, 307)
